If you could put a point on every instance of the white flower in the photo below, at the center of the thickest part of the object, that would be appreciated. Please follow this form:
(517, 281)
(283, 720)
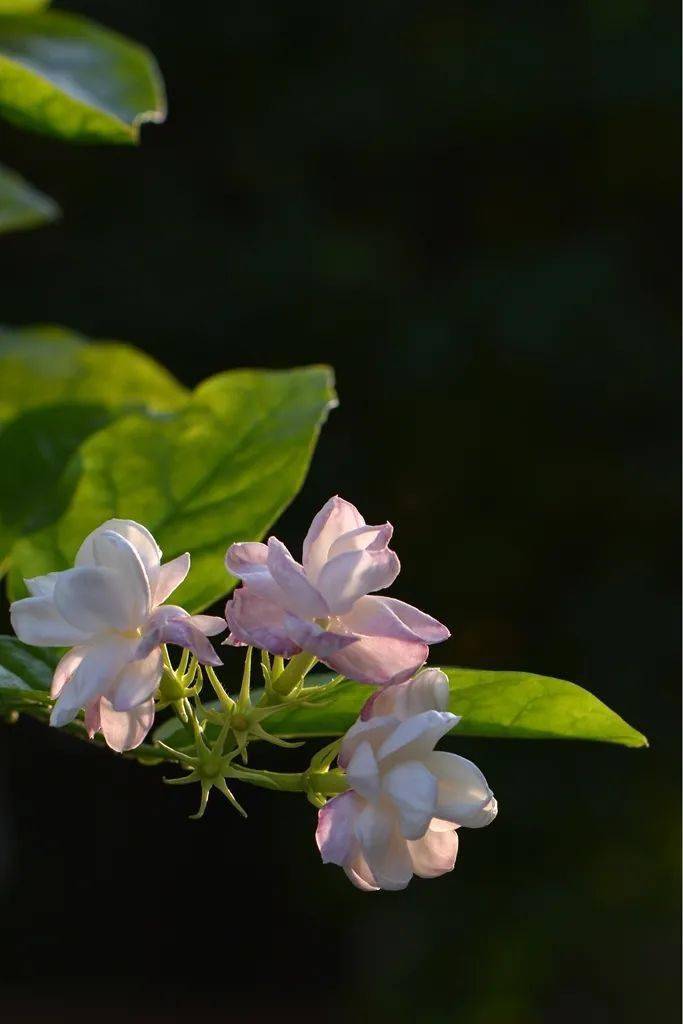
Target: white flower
(406, 800)
(108, 611)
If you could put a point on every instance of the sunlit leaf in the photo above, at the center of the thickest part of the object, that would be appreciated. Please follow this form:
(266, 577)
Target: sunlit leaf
(508, 705)
(22, 6)
(64, 75)
(21, 205)
(218, 470)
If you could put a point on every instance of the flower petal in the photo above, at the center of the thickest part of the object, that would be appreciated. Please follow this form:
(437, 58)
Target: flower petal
(170, 624)
(112, 551)
(335, 834)
(92, 717)
(434, 854)
(414, 739)
(93, 600)
(464, 795)
(66, 666)
(137, 535)
(335, 518)
(413, 792)
(362, 773)
(313, 638)
(42, 586)
(125, 730)
(300, 597)
(36, 621)
(242, 560)
(384, 850)
(137, 682)
(427, 691)
(346, 578)
(360, 874)
(374, 733)
(363, 538)
(422, 625)
(259, 622)
(98, 669)
(369, 616)
(209, 625)
(378, 660)
(171, 575)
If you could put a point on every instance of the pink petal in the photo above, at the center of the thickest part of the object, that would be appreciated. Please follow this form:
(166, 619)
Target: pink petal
(427, 691)
(125, 730)
(172, 625)
(92, 717)
(364, 538)
(422, 625)
(66, 666)
(137, 682)
(171, 575)
(209, 625)
(313, 638)
(370, 616)
(348, 577)
(385, 851)
(300, 597)
(335, 832)
(434, 854)
(335, 518)
(100, 666)
(259, 622)
(379, 660)
(243, 559)
(360, 874)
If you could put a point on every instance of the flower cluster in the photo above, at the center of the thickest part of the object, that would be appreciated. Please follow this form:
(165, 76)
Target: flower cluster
(398, 802)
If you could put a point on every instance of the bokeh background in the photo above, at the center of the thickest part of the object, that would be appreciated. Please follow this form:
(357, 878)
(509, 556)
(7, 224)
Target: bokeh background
(470, 210)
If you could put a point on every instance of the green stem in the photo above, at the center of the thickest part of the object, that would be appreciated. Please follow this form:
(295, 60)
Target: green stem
(298, 667)
(327, 783)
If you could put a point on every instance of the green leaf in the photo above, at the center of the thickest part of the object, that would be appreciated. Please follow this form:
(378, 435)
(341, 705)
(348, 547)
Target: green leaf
(55, 391)
(509, 705)
(22, 6)
(24, 668)
(63, 75)
(21, 205)
(220, 469)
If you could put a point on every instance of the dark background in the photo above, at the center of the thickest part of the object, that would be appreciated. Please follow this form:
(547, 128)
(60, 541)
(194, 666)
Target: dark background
(470, 210)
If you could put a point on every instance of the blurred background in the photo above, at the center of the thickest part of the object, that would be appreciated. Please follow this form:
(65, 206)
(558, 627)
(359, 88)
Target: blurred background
(470, 210)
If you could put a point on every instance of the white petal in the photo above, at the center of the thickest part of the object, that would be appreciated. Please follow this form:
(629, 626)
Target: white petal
(415, 738)
(137, 682)
(112, 551)
(42, 586)
(66, 667)
(373, 732)
(334, 519)
(413, 791)
(94, 675)
(36, 621)
(362, 773)
(335, 833)
(464, 796)
(435, 853)
(171, 575)
(375, 538)
(125, 730)
(427, 691)
(300, 596)
(93, 599)
(209, 625)
(385, 851)
(354, 574)
(138, 535)
(360, 874)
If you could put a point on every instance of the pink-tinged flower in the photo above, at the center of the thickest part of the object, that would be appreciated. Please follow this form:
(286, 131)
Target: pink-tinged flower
(324, 607)
(406, 800)
(109, 610)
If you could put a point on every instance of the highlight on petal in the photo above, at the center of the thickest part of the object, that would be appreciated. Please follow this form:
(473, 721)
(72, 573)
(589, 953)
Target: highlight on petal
(243, 560)
(378, 660)
(464, 795)
(422, 625)
(335, 518)
(299, 596)
(256, 621)
(170, 576)
(137, 535)
(415, 738)
(125, 730)
(434, 854)
(360, 874)
(348, 577)
(96, 672)
(112, 551)
(36, 621)
(413, 792)
(209, 625)
(362, 772)
(427, 691)
(137, 682)
(364, 538)
(91, 599)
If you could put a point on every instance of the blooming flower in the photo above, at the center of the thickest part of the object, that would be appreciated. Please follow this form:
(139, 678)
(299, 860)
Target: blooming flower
(323, 605)
(406, 800)
(108, 609)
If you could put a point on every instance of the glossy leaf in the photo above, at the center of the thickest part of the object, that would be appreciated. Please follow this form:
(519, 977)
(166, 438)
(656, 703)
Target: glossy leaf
(66, 76)
(28, 669)
(507, 705)
(220, 469)
(21, 205)
(55, 391)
